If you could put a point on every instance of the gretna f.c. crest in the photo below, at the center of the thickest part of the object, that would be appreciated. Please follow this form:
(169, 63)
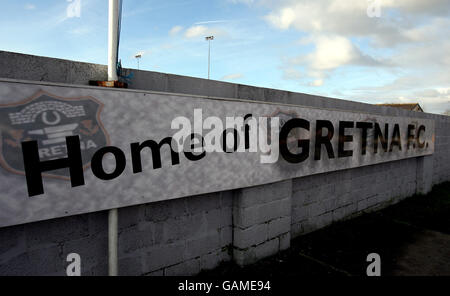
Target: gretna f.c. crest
(49, 119)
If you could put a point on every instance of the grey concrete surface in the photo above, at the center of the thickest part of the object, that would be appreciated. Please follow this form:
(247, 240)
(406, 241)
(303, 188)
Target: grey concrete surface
(428, 256)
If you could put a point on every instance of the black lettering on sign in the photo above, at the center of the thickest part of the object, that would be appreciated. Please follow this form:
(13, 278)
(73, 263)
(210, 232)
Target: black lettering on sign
(34, 167)
(396, 140)
(97, 163)
(235, 140)
(364, 126)
(323, 140)
(194, 157)
(411, 128)
(156, 153)
(379, 137)
(343, 138)
(420, 130)
(247, 132)
(302, 143)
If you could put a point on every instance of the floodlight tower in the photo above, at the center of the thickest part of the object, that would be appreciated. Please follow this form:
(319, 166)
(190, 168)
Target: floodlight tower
(209, 38)
(138, 57)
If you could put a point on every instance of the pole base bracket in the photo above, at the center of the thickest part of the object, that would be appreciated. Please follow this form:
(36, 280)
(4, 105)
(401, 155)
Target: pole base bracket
(114, 84)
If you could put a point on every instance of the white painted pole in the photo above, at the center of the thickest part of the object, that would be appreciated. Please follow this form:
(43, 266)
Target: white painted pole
(113, 30)
(112, 242)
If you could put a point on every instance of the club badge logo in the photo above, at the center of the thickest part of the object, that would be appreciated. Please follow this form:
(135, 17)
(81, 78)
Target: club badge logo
(49, 119)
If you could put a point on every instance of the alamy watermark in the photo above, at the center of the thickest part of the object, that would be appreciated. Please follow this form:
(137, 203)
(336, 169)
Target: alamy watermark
(374, 268)
(236, 134)
(374, 8)
(73, 8)
(74, 267)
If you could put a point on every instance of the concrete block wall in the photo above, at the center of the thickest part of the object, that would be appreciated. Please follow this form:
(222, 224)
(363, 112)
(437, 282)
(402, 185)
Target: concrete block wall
(180, 237)
(28, 67)
(41, 248)
(441, 156)
(261, 221)
(319, 200)
(184, 236)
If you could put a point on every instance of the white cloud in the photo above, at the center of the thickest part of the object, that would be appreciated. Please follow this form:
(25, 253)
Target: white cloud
(420, 88)
(332, 52)
(317, 16)
(248, 2)
(349, 18)
(436, 7)
(433, 100)
(196, 31)
(211, 22)
(73, 9)
(330, 24)
(232, 76)
(317, 82)
(203, 31)
(409, 42)
(81, 30)
(290, 73)
(30, 6)
(346, 18)
(432, 93)
(175, 30)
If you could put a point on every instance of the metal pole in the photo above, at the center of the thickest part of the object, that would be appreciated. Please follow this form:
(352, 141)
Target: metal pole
(112, 242)
(113, 37)
(209, 38)
(113, 29)
(209, 55)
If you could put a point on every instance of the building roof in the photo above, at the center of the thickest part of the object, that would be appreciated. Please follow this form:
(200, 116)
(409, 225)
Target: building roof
(409, 106)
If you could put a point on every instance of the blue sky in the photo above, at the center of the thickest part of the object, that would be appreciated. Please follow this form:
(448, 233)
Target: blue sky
(326, 47)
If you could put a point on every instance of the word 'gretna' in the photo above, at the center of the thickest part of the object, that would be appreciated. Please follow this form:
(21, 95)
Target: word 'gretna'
(383, 139)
